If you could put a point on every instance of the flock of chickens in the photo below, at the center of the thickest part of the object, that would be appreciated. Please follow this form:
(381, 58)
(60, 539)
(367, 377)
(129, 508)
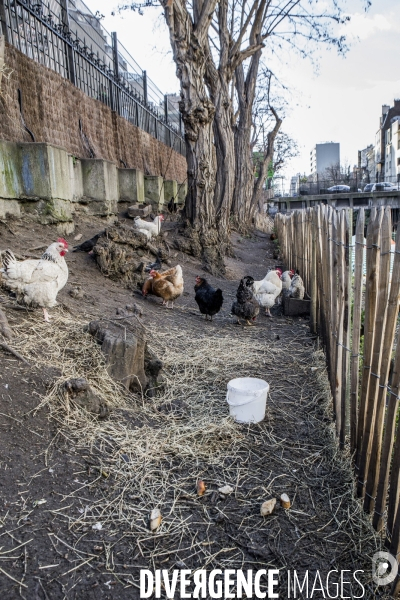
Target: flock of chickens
(37, 282)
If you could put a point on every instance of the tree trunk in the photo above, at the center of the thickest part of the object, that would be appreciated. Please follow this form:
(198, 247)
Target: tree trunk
(206, 226)
(244, 174)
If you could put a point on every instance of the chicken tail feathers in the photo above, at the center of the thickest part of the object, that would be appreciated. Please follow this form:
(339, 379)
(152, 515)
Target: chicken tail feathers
(9, 260)
(219, 299)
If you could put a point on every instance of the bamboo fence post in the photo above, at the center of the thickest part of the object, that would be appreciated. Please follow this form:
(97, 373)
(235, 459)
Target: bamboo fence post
(371, 352)
(338, 241)
(386, 354)
(394, 484)
(322, 280)
(347, 220)
(369, 314)
(327, 286)
(318, 248)
(333, 316)
(393, 403)
(355, 363)
(380, 345)
(313, 272)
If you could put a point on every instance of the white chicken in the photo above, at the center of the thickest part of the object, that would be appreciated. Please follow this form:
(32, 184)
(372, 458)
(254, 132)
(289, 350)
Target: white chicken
(274, 276)
(145, 232)
(286, 281)
(37, 282)
(267, 291)
(296, 289)
(153, 228)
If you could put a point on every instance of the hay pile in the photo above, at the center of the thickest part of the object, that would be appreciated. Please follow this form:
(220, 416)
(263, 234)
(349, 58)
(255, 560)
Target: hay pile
(150, 453)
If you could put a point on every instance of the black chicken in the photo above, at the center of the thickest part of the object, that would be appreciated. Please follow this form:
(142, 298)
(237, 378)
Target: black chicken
(88, 245)
(245, 306)
(157, 265)
(172, 205)
(209, 299)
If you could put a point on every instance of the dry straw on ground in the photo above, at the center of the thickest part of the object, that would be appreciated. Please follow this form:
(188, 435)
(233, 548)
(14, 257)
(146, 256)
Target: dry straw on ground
(151, 453)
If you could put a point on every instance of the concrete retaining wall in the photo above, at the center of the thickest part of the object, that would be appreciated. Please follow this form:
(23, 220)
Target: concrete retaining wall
(51, 185)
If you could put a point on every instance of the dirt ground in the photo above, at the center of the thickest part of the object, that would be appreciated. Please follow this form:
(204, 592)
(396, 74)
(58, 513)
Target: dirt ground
(75, 494)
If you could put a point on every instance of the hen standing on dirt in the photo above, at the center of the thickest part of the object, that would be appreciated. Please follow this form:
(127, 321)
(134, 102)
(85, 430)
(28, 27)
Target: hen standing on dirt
(167, 285)
(246, 306)
(209, 300)
(37, 282)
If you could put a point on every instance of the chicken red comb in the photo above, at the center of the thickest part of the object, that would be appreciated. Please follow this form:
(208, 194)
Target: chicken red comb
(63, 242)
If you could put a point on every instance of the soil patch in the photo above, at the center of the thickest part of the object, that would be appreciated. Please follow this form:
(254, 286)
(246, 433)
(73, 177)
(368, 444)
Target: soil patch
(76, 492)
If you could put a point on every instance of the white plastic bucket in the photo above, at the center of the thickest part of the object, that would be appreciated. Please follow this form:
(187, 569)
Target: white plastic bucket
(247, 399)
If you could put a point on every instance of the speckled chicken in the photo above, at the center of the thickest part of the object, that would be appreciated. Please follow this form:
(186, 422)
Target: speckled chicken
(245, 306)
(296, 289)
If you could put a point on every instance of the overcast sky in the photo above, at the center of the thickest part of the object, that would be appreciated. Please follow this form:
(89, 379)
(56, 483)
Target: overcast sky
(342, 103)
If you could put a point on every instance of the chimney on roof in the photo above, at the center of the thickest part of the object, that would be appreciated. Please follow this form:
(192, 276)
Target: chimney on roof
(397, 103)
(385, 109)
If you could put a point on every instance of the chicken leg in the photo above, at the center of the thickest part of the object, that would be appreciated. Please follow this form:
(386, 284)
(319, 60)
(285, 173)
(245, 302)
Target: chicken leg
(46, 315)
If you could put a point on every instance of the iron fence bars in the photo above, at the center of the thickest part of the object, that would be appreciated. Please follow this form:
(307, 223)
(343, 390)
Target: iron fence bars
(66, 37)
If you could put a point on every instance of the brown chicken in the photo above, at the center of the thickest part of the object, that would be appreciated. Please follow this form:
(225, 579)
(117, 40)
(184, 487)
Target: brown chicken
(167, 285)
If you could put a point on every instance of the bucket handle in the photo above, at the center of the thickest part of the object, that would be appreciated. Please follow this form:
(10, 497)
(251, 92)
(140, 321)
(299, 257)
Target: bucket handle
(248, 401)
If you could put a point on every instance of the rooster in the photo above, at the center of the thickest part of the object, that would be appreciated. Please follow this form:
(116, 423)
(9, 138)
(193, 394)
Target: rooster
(274, 276)
(296, 289)
(267, 291)
(153, 228)
(209, 300)
(245, 306)
(37, 282)
(167, 285)
(286, 281)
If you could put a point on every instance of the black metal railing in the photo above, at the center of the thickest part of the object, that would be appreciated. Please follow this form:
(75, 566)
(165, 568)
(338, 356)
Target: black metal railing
(66, 37)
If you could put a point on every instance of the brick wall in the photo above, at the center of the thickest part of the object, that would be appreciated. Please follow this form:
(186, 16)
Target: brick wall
(52, 107)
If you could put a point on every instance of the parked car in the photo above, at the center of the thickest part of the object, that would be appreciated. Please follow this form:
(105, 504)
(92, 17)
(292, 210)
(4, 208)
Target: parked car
(337, 189)
(368, 187)
(383, 186)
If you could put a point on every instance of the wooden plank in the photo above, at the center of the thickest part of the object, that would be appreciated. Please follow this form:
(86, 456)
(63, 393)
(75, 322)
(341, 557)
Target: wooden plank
(357, 295)
(394, 485)
(368, 338)
(392, 402)
(370, 357)
(386, 355)
(339, 254)
(380, 344)
(347, 223)
(313, 271)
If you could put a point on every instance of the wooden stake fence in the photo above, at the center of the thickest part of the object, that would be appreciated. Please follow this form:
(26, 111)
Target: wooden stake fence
(319, 243)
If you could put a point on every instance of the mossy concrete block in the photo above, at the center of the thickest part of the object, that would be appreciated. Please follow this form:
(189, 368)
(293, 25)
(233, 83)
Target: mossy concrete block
(100, 186)
(182, 193)
(170, 190)
(10, 170)
(44, 171)
(139, 210)
(154, 190)
(131, 185)
(75, 176)
(9, 208)
(34, 171)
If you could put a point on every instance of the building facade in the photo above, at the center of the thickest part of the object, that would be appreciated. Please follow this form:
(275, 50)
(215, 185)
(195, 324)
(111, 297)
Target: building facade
(386, 143)
(323, 157)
